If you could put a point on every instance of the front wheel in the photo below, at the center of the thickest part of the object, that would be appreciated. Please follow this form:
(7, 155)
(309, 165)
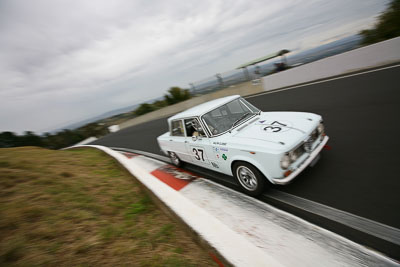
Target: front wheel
(250, 178)
(175, 159)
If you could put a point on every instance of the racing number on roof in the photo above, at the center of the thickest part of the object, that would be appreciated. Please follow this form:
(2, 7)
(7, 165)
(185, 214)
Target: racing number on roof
(198, 154)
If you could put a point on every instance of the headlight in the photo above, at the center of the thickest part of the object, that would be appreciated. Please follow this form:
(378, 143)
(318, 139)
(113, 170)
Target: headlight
(321, 128)
(293, 156)
(285, 162)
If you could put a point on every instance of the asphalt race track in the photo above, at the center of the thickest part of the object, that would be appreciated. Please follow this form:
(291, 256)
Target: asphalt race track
(360, 174)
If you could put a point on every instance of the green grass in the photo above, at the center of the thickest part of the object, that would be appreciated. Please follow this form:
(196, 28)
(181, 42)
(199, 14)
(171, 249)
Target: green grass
(80, 208)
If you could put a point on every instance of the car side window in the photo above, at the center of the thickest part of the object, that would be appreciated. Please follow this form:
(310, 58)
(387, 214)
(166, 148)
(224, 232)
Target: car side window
(177, 128)
(193, 128)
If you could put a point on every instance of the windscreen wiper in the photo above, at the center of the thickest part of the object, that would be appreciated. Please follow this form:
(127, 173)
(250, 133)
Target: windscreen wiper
(241, 118)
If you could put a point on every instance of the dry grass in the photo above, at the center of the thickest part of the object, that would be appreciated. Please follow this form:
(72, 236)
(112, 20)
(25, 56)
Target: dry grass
(79, 208)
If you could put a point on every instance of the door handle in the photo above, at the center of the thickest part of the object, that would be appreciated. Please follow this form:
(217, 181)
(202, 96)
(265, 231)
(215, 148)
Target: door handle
(170, 140)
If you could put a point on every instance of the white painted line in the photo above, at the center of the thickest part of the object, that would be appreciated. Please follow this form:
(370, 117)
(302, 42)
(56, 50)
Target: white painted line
(147, 164)
(86, 141)
(323, 81)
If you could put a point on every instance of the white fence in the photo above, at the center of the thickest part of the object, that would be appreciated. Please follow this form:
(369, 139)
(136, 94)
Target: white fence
(362, 58)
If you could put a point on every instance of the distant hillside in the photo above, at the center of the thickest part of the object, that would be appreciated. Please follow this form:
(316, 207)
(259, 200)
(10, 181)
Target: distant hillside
(105, 115)
(100, 117)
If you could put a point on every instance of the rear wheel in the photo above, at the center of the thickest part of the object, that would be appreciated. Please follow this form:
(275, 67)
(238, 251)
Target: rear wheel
(175, 159)
(249, 178)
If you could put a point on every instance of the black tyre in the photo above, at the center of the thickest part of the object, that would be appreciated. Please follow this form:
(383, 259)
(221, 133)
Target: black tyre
(175, 159)
(251, 180)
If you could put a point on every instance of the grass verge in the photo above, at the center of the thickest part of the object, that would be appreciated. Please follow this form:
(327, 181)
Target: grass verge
(80, 208)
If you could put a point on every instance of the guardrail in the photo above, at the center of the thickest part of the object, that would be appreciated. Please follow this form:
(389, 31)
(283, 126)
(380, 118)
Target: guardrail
(382, 53)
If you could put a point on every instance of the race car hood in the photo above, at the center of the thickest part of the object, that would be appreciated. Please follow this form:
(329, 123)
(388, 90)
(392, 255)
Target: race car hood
(285, 128)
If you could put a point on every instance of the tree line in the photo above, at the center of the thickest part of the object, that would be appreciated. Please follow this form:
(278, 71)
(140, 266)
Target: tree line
(175, 95)
(387, 27)
(57, 140)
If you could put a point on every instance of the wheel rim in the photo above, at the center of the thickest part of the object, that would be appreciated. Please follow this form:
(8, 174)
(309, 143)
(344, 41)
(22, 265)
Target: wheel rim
(246, 178)
(174, 158)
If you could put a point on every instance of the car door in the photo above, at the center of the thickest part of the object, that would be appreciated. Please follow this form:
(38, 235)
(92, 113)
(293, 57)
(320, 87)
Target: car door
(177, 140)
(197, 143)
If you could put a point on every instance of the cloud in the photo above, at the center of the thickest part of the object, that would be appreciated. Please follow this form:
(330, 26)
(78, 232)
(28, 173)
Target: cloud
(62, 61)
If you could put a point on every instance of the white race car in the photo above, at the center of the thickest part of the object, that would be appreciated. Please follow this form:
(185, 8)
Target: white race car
(231, 136)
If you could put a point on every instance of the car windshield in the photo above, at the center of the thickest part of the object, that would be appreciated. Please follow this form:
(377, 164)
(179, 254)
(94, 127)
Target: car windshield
(227, 116)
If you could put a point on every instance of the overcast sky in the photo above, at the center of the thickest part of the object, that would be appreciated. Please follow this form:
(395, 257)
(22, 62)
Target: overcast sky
(65, 61)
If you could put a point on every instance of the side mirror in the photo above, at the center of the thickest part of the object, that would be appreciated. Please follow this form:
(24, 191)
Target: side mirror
(194, 138)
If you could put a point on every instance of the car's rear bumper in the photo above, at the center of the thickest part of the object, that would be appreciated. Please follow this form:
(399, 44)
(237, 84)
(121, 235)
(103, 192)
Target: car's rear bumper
(305, 163)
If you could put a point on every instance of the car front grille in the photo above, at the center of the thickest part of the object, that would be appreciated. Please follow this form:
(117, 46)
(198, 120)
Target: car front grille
(311, 139)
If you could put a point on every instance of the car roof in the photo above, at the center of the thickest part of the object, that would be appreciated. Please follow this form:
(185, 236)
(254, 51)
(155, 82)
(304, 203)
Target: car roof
(203, 108)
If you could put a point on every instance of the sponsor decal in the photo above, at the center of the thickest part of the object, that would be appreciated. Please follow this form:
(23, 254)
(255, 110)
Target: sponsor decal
(219, 143)
(215, 165)
(217, 151)
(224, 156)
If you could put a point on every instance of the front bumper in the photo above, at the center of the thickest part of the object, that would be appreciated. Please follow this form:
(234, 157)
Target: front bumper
(311, 157)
